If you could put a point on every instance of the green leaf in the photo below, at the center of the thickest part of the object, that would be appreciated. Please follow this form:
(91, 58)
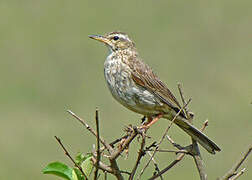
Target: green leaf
(58, 169)
(87, 165)
(85, 162)
(74, 176)
(77, 175)
(79, 158)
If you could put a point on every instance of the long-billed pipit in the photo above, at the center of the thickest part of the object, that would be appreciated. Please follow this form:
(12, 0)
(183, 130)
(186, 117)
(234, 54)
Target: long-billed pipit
(133, 84)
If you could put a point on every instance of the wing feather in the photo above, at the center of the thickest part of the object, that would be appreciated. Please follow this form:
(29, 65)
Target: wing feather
(143, 76)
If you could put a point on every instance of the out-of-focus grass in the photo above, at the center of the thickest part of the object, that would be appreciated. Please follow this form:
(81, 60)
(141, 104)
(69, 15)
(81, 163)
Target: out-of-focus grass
(48, 64)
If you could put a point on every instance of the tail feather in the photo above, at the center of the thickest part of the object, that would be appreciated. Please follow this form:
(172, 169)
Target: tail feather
(197, 135)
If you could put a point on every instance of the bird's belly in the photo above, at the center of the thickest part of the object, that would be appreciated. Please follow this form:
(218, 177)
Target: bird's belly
(130, 95)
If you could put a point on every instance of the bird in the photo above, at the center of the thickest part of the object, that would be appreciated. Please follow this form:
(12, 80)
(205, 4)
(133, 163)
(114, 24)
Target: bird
(134, 85)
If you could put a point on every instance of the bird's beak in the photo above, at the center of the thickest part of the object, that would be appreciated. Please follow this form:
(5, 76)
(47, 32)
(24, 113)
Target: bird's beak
(99, 38)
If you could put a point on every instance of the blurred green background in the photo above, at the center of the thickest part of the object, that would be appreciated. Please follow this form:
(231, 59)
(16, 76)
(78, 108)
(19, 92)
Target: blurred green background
(48, 65)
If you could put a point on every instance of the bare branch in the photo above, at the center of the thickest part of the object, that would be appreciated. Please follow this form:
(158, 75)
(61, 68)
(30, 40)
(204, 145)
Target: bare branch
(169, 151)
(125, 144)
(195, 149)
(110, 149)
(70, 157)
(179, 147)
(141, 153)
(183, 99)
(155, 164)
(204, 125)
(179, 158)
(113, 164)
(198, 160)
(98, 144)
(118, 140)
(197, 156)
(238, 174)
(116, 170)
(161, 140)
(101, 165)
(181, 93)
(233, 171)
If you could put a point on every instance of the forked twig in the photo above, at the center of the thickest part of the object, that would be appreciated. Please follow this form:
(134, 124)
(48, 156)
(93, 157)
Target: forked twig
(179, 158)
(238, 174)
(110, 149)
(233, 171)
(113, 164)
(102, 166)
(183, 99)
(155, 164)
(125, 144)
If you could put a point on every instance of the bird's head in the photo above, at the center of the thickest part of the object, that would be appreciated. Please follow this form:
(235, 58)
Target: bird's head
(115, 40)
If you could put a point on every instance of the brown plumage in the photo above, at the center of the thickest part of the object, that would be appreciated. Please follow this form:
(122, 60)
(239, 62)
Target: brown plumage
(133, 84)
(143, 75)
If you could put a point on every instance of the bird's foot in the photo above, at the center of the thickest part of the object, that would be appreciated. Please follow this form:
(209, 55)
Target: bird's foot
(143, 119)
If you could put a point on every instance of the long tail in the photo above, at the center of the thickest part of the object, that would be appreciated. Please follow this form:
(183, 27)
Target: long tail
(197, 135)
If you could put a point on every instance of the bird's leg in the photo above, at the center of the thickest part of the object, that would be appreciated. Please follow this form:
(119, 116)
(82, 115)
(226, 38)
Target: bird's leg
(151, 121)
(143, 119)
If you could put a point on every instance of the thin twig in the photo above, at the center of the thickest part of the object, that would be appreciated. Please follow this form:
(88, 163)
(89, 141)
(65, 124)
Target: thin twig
(161, 140)
(155, 164)
(120, 149)
(173, 163)
(183, 99)
(70, 157)
(179, 147)
(125, 144)
(113, 143)
(113, 164)
(169, 151)
(233, 170)
(204, 125)
(198, 160)
(118, 140)
(238, 174)
(141, 153)
(181, 93)
(102, 166)
(110, 149)
(179, 158)
(98, 144)
(195, 149)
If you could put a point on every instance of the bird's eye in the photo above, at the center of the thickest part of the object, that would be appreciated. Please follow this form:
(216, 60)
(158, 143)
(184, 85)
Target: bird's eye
(115, 38)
